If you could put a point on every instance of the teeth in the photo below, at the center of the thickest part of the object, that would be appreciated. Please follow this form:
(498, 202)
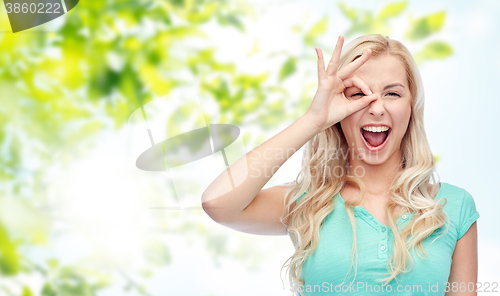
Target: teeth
(376, 129)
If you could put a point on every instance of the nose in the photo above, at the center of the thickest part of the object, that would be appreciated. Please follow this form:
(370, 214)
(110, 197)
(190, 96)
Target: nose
(376, 108)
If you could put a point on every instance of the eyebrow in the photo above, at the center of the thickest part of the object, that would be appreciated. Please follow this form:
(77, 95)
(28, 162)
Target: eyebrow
(393, 85)
(386, 87)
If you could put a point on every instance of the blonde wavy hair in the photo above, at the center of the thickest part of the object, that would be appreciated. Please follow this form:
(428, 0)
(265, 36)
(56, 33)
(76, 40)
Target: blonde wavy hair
(323, 175)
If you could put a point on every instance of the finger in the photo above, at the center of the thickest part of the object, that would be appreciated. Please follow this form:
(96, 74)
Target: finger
(354, 65)
(321, 65)
(359, 83)
(334, 61)
(356, 105)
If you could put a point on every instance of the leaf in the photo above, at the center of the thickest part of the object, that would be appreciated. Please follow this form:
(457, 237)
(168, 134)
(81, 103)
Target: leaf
(203, 16)
(129, 84)
(231, 20)
(181, 32)
(102, 82)
(363, 21)
(251, 81)
(53, 263)
(318, 29)
(434, 50)
(288, 68)
(178, 3)
(27, 291)
(9, 258)
(425, 26)
(350, 13)
(48, 290)
(392, 10)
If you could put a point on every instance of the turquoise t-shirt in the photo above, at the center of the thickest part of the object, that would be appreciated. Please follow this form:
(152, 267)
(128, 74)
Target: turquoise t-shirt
(324, 271)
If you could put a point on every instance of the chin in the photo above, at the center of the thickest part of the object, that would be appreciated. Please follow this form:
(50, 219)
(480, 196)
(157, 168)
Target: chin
(374, 159)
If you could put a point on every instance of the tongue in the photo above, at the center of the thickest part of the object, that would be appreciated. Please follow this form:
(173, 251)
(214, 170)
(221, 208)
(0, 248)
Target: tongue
(374, 138)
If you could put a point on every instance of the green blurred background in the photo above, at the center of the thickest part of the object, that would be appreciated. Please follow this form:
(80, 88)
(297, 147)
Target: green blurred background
(75, 212)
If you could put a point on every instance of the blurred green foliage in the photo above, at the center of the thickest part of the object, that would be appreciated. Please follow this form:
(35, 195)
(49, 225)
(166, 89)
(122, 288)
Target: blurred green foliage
(365, 21)
(59, 89)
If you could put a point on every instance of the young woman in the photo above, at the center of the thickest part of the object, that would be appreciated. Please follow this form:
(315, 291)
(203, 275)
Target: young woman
(363, 214)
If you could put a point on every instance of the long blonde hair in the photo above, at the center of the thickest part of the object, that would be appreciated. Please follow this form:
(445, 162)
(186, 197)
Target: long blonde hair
(323, 175)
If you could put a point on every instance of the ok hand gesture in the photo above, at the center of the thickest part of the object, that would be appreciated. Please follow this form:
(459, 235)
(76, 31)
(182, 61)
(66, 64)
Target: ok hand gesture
(330, 105)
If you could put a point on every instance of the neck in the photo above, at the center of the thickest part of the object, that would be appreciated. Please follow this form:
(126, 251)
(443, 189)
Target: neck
(377, 178)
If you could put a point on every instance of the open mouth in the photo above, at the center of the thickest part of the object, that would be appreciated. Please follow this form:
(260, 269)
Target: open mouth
(375, 140)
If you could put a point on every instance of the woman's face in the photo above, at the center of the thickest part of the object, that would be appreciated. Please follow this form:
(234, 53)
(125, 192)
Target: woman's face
(386, 77)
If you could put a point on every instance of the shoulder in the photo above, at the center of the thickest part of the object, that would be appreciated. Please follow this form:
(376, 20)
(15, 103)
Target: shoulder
(460, 207)
(455, 196)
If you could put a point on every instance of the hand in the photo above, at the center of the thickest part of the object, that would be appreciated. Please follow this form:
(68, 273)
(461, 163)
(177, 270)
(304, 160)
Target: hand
(330, 105)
